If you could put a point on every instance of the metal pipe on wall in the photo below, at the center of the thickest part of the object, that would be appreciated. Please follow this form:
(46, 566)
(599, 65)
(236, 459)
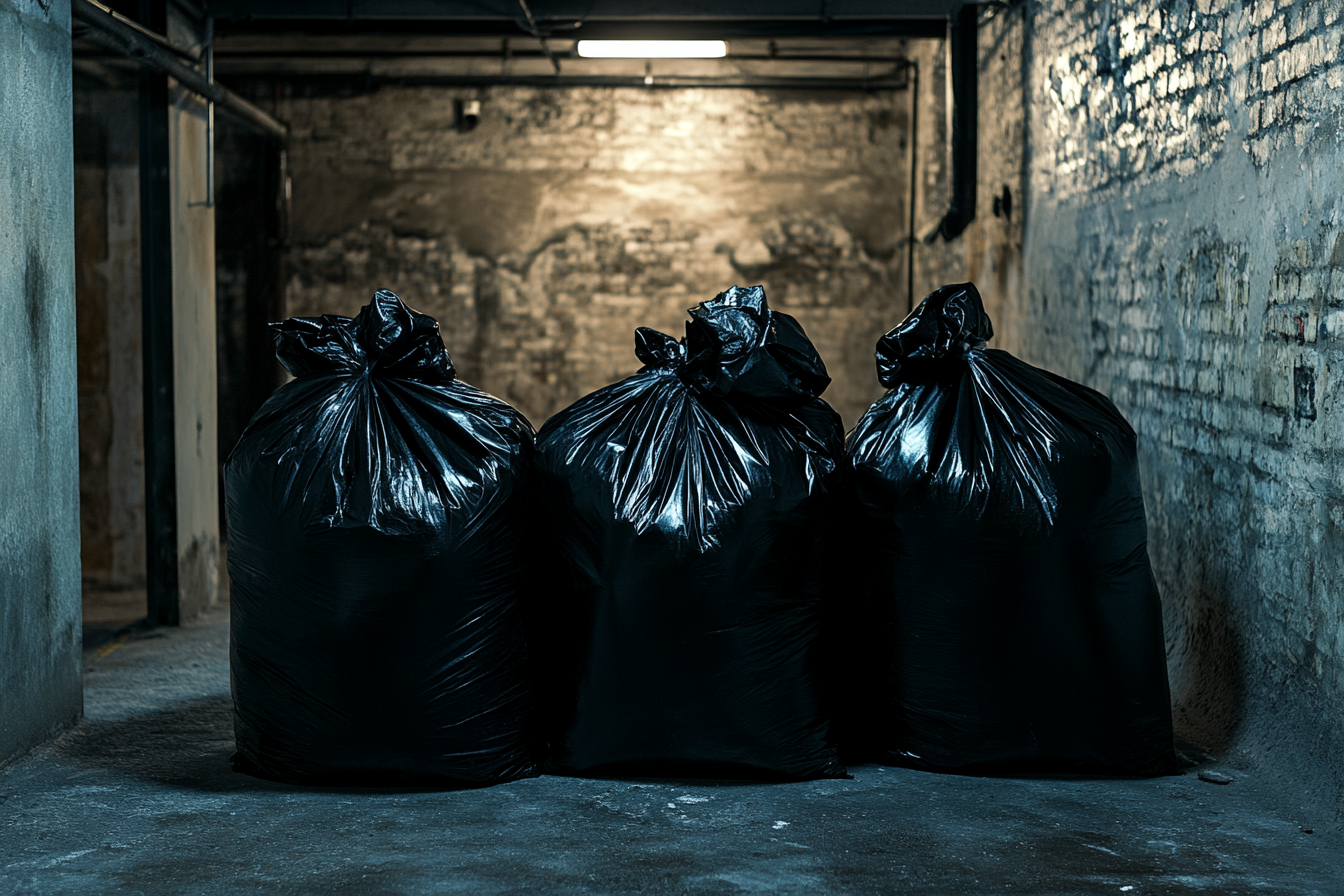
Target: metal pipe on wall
(963, 113)
(107, 29)
(156, 315)
(210, 114)
(913, 74)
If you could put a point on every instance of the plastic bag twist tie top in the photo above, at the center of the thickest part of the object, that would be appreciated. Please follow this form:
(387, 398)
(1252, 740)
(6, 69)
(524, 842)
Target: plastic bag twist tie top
(949, 324)
(658, 349)
(385, 339)
(736, 345)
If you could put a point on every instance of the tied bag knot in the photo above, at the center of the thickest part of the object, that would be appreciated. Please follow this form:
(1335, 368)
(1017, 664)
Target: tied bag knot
(385, 339)
(737, 346)
(658, 350)
(948, 325)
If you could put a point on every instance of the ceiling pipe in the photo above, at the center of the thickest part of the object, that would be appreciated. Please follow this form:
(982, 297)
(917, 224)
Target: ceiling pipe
(106, 29)
(894, 82)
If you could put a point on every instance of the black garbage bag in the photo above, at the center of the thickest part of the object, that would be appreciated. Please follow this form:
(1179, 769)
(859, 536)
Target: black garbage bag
(687, 505)
(376, 512)
(1001, 528)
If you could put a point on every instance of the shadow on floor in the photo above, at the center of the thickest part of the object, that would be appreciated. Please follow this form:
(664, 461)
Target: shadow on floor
(190, 744)
(187, 745)
(1207, 656)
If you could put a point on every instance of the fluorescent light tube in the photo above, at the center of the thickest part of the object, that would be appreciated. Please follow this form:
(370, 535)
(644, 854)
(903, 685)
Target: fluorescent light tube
(653, 49)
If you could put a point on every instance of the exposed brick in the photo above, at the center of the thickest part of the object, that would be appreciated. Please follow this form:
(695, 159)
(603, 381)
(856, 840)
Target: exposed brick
(567, 218)
(1219, 297)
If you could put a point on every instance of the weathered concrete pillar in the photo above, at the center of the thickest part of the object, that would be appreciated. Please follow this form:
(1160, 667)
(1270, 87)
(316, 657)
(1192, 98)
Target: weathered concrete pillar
(40, 686)
(178, 279)
(194, 386)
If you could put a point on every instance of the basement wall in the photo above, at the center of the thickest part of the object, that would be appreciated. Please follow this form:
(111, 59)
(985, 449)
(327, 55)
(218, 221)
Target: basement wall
(107, 283)
(109, 303)
(1183, 252)
(542, 238)
(40, 686)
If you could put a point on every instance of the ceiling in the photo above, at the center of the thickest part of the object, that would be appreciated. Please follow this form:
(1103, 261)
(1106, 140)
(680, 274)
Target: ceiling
(591, 18)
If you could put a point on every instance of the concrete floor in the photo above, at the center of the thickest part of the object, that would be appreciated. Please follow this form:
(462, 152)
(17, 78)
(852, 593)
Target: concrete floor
(139, 798)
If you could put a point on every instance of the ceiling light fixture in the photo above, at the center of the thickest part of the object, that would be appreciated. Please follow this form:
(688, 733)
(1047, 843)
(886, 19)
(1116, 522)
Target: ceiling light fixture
(653, 49)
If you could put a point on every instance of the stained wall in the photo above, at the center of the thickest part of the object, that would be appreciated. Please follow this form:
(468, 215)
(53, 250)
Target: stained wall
(1182, 250)
(40, 681)
(107, 286)
(568, 217)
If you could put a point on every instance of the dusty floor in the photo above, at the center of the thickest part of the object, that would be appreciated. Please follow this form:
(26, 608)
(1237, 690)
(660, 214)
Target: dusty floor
(139, 798)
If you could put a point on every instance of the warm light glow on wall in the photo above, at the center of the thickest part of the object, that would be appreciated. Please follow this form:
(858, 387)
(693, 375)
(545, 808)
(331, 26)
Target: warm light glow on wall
(653, 49)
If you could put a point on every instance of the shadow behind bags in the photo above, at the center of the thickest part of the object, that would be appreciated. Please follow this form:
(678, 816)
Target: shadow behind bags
(376, 509)
(1016, 622)
(687, 505)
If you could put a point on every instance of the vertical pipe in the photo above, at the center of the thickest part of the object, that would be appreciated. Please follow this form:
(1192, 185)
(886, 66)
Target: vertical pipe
(965, 64)
(963, 81)
(914, 175)
(210, 114)
(156, 285)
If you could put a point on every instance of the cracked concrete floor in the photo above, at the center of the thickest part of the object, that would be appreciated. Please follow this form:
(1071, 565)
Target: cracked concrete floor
(139, 798)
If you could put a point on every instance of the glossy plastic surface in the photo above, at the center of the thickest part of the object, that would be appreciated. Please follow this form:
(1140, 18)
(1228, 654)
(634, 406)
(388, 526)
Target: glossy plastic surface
(1000, 530)
(686, 505)
(376, 511)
